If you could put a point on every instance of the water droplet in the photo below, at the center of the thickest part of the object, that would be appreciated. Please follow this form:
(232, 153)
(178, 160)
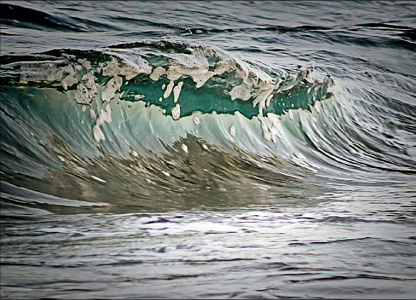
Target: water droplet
(232, 130)
(197, 121)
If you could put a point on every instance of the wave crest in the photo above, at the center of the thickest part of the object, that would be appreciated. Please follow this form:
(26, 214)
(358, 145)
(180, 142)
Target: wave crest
(160, 72)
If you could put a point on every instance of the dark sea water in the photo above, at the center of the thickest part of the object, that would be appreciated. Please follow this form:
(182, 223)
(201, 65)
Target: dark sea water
(208, 149)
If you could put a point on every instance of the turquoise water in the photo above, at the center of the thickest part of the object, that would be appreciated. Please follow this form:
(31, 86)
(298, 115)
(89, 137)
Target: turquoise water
(209, 149)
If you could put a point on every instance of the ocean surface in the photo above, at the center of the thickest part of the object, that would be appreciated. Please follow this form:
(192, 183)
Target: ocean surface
(210, 150)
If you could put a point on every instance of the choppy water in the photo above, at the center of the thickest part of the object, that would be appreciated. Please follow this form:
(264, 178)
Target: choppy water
(208, 149)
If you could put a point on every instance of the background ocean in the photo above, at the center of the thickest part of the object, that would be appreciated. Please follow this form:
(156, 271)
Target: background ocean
(200, 149)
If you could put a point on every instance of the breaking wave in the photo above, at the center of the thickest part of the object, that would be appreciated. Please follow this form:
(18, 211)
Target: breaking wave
(133, 125)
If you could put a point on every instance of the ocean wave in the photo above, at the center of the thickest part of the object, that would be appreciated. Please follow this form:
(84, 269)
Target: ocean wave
(206, 79)
(150, 117)
(160, 118)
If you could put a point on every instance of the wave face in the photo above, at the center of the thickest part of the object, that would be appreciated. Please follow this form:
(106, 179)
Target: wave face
(211, 149)
(152, 109)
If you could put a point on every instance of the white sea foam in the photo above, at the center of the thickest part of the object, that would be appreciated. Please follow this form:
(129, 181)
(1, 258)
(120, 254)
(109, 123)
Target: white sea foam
(157, 72)
(69, 81)
(176, 112)
(169, 88)
(177, 91)
(129, 68)
(105, 116)
(199, 63)
(111, 88)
